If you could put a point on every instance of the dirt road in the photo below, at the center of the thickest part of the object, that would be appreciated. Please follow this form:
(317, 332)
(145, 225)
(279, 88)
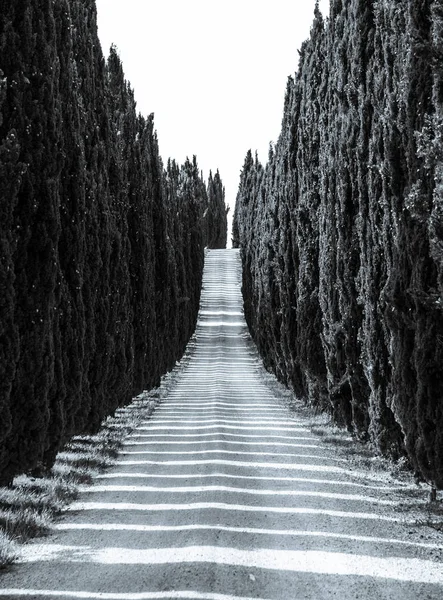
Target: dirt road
(225, 495)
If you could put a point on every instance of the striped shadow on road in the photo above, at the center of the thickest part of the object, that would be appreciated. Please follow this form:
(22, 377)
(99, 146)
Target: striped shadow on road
(170, 595)
(252, 478)
(236, 463)
(227, 507)
(201, 489)
(225, 443)
(301, 533)
(225, 494)
(229, 452)
(299, 561)
(219, 435)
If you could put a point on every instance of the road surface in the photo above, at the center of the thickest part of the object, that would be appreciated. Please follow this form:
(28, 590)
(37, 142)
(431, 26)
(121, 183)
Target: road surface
(225, 494)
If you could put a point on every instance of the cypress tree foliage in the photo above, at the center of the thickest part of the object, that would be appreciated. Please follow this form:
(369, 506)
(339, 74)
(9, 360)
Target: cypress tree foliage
(11, 171)
(32, 109)
(341, 231)
(339, 163)
(216, 214)
(193, 197)
(101, 248)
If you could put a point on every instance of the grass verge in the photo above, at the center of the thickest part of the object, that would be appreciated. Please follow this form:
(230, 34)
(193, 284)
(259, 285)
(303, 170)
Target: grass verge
(433, 516)
(8, 550)
(415, 498)
(29, 505)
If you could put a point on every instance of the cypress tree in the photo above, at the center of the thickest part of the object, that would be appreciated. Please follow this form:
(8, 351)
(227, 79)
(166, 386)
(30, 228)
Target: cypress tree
(11, 171)
(101, 248)
(340, 233)
(32, 108)
(216, 213)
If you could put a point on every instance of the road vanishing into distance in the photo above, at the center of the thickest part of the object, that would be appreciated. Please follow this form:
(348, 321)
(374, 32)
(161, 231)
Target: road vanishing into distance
(225, 494)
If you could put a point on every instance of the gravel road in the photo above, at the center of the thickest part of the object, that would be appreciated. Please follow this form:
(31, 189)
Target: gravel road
(224, 494)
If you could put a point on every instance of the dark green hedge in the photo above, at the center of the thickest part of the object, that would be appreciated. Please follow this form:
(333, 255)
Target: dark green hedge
(101, 248)
(342, 232)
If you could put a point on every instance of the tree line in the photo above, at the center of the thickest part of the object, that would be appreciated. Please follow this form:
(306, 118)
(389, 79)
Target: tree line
(341, 232)
(101, 245)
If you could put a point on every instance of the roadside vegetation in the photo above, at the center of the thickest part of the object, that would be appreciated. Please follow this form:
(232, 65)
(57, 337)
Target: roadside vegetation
(341, 231)
(101, 240)
(29, 505)
(416, 498)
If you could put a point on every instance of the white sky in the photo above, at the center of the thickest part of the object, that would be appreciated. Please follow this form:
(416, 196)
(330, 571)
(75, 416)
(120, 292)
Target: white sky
(213, 72)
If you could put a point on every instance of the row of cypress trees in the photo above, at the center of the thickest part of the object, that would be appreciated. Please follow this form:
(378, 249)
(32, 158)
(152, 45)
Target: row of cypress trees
(101, 247)
(216, 217)
(341, 233)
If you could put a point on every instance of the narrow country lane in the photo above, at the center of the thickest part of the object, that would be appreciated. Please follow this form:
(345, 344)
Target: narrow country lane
(224, 494)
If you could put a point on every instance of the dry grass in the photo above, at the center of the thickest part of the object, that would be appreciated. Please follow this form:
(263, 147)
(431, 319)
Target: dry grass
(9, 551)
(433, 516)
(29, 505)
(21, 523)
(93, 460)
(38, 493)
(360, 453)
(70, 474)
(56, 488)
(413, 497)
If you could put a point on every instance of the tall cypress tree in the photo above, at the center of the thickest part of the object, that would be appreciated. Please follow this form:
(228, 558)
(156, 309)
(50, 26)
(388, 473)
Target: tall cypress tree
(216, 213)
(101, 249)
(341, 235)
(32, 108)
